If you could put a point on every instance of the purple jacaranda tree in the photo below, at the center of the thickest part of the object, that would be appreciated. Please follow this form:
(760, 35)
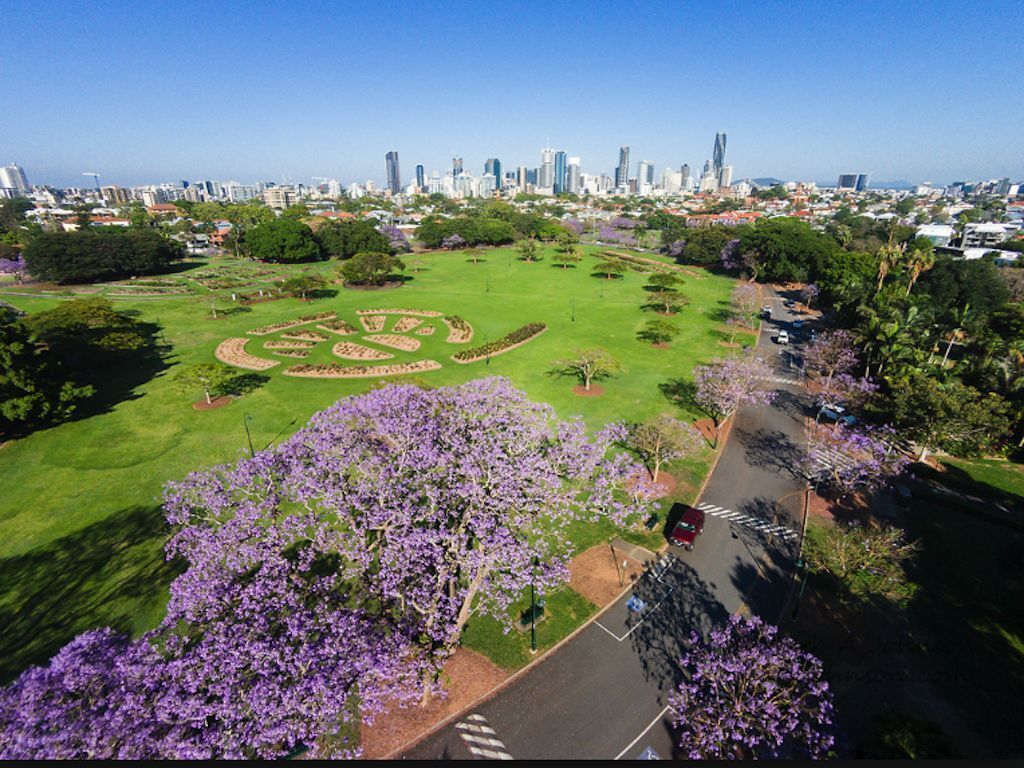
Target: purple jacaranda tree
(846, 389)
(850, 459)
(831, 353)
(809, 293)
(15, 266)
(621, 222)
(730, 255)
(752, 693)
(453, 241)
(744, 301)
(609, 235)
(724, 385)
(396, 238)
(436, 502)
(573, 225)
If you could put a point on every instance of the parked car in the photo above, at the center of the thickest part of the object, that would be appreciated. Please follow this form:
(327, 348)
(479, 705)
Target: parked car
(782, 338)
(798, 323)
(766, 311)
(689, 527)
(836, 413)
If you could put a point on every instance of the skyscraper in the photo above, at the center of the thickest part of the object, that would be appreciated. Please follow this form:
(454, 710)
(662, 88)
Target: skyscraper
(719, 155)
(725, 176)
(847, 181)
(421, 180)
(572, 176)
(684, 171)
(622, 172)
(13, 177)
(862, 182)
(521, 177)
(493, 167)
(456, 166)
(644, 176)
(547, 169)
(560, 171)
(394, 175)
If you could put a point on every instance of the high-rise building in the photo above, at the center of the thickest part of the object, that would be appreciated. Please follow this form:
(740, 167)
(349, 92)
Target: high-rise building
(684, 171)
(493, 167)
(719, 155)
(488, 183)
(12, 177)
(847, 181)
(531, 176)
(435, 184)
(707, 169)
(421, 180)
(560, 171)
(394, 175)
(522, 176)
(725, 176)
(456, 166)
(644, 177)
(572, 176)
(547, 169)
(862, 182)
(622, 172)
(1003, 187)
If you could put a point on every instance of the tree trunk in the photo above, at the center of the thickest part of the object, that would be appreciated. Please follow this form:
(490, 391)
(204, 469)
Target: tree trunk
(949, 346)
(657, 469)
(923, 454)
(586, 382)
(206, 391)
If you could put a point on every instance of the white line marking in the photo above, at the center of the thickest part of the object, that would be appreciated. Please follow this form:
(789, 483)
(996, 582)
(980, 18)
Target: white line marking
(602, 626)
(643, 732)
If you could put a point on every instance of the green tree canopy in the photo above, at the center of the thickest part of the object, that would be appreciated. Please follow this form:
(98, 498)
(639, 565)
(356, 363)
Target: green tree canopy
(282, 240)
(371, 268)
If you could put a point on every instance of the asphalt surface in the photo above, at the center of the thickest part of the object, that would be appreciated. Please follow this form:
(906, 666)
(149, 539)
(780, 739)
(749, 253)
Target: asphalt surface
(603, 694)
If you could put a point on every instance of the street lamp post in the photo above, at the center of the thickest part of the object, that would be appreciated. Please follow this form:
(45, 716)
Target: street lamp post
(533, 609)
(245, 422)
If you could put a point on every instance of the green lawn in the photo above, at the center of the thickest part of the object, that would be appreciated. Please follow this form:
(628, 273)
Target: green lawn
(80, 529)
(1000, 474)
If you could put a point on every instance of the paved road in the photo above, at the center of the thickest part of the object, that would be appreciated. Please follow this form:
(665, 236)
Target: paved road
(603, 695)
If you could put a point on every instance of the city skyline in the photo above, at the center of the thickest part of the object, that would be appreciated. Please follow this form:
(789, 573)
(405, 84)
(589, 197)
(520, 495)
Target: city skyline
(884, 105)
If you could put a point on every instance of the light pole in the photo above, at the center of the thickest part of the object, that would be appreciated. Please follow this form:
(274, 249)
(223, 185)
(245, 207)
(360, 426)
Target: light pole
(533, 608)
(245, 422)
(615, 558)
(573, 305)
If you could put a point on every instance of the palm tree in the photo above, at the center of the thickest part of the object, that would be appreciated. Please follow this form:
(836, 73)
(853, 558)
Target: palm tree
(889, 256)
(918, 261)
(959, 318)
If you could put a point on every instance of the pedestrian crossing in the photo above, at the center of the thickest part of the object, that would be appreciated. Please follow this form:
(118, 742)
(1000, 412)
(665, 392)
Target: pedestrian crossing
(481, 740)
(754, 523)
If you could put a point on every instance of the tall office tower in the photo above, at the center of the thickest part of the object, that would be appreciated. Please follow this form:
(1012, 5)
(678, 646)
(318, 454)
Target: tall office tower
(493, 167)
(531, 175)
(622, 172)
(572, 176)
(725, 176)
(522, 177)
(488, 183)
(547, 169)
(1003, 187)
(684, 171)
(862, 182)
(560, 170)
(435, 184)
(719, 155)
(707, 169)
(394, 176)
(421, 178)
(456, 166)
(643, 170)
(847, 181)
(13, 177)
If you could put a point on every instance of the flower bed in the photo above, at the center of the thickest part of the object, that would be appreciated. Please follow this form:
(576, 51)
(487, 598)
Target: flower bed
(506, 343)
(406, 324)
(404, 343)
(287, 345)
(372, 323)
(274, 328)
(459, 331)
(299, 353)
(426, 330)
(313, 336)
(340, 327)
(232, 352)
(413, 312)
(336, 371)
(351, 351)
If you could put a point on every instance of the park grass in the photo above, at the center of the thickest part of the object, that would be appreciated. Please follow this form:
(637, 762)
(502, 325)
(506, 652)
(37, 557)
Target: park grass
(59, 484)
(564, 610)
(999, 474)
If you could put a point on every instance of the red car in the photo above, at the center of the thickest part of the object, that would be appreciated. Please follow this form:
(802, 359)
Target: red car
(689, 527)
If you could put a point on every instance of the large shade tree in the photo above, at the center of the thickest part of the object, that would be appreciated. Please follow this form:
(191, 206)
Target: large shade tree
(751, 693)
(725, 385)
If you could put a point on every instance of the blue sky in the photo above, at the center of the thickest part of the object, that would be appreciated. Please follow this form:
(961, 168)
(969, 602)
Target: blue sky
(144, 91)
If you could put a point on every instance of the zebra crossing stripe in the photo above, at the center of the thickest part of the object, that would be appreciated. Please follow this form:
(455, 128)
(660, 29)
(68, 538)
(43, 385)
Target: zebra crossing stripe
(480, 739)
(738, 518)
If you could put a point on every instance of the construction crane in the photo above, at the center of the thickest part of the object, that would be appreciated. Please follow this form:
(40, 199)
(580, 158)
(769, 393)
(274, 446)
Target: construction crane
(96, 181)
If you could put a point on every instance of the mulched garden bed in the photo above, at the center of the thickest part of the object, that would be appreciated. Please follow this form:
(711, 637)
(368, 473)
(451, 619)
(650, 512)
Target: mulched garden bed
(596, 390)
(217, 402)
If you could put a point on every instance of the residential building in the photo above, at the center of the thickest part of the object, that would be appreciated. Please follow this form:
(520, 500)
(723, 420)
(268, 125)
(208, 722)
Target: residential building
(278, 197)
(394, 174)
(985, 234)
(435, 184)
(622, 172)
(12, 178)
(939, 234)
(719, 153)
(488, 185)
(560, 170)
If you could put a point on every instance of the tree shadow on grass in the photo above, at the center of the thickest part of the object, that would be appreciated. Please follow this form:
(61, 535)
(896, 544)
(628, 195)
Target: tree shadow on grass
(111, 573)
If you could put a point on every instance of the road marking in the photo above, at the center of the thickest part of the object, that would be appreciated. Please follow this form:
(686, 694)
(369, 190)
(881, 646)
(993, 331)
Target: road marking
(485, 746)
(738, 518)
(643, 732)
